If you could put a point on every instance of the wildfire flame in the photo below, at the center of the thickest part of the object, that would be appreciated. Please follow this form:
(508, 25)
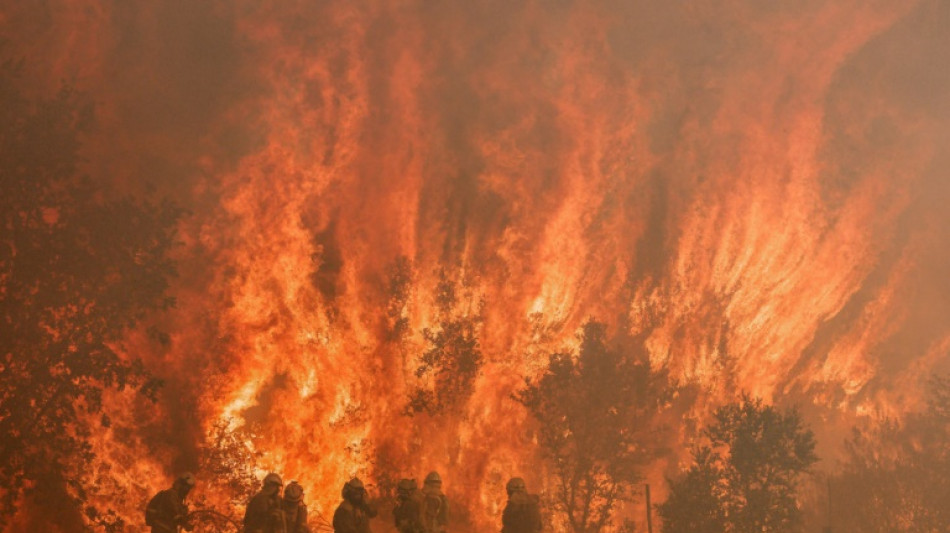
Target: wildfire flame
(745, 185)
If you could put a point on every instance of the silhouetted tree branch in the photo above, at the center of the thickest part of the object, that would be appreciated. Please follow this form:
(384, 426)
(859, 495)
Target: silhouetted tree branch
(898, 472)
(745, 477)
(597, 413)
(78, 268)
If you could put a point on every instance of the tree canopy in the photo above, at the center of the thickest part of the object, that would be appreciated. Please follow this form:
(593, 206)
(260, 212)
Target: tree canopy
(898, 472)
(452, 356)
(744, 477)
(597, 424)
(78, 268)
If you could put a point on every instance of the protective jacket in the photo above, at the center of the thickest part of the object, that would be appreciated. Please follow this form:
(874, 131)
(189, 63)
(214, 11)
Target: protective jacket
(435, 510)
(353, 517)
(522, 514)
(166, 512)
(295, 517)
(408, 513)
(264, 514)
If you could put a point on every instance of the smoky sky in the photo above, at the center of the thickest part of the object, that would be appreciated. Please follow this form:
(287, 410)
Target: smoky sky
(759, 187)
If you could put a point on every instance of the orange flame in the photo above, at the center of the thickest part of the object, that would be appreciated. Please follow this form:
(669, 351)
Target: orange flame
(740, 184)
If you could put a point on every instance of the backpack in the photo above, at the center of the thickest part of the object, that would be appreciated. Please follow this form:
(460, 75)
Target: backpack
(156, 505)
(148, 516)
(295, 517)
(522, 514)
(432, 510)
(408, 512)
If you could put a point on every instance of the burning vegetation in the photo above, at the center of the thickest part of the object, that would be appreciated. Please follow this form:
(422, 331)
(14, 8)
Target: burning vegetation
(593, 266)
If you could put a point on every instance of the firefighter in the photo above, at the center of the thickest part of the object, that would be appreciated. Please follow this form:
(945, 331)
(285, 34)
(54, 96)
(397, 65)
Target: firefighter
(264, 513)
(523, 511)
(295, 511)
(166, 511)
(408, 510)
(354, 512)
(435, 507)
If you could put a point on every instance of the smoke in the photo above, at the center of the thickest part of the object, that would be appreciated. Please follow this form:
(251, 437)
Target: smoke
(756, 188)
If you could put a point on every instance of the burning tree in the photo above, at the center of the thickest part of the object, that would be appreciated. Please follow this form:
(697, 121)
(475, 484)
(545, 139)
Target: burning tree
(745, 478)
(453, 355)
(898, 473)
(77, 270)
(597, 424)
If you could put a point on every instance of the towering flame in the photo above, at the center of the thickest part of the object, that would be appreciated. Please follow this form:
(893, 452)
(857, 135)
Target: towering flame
(756, 188)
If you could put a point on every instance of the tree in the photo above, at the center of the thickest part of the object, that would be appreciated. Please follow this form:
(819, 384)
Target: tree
(898, 472)
(453, 356)
(78, 268)
(597, 424)
(745, 478)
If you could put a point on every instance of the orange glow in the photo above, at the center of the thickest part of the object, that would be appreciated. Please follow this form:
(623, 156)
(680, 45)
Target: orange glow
(707, 175)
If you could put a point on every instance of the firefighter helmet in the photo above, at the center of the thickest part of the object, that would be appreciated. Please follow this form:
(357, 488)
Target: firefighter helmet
(272, 479)
(293, 492)
(516, 484)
